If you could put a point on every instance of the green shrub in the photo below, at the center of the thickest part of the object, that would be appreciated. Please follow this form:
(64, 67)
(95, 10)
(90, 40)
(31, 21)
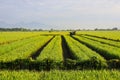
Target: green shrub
(114, 63)
(92, 63)
(70, 64)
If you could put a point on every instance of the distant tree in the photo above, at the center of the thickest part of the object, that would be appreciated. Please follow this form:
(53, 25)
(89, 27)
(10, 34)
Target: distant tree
(96, 29)
(14, 29)
(72, 33)
(40, 30)
(51, 29)
(115, 28)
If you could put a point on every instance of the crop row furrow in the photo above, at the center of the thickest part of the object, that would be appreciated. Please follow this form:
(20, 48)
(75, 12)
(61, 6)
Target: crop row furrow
(66, 51)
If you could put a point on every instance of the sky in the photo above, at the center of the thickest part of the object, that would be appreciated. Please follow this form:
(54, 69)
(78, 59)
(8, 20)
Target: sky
(63, 14)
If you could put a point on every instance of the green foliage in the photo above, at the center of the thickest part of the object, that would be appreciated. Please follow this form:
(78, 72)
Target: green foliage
(19, 75)
(81, 75)
(60, 75)
(104, 41)
(70, 64)
(52, 51)
(107, 51)
(80, 51)
(93, 63)
(85, 52)
(114, 63)
(109, 35)
(23, 51)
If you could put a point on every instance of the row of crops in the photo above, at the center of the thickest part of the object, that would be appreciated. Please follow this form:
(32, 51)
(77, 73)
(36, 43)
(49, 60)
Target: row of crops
(107, 51)
(60, 52)
(22, 49)
(104, 41)
(112, 35)
(60, 75)
(9, 37)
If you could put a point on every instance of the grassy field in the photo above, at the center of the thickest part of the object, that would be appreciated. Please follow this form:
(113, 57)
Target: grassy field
(60, 75)
(87, 55)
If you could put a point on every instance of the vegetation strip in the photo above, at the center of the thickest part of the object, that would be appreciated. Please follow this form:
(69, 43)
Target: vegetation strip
(13, 46)
(9, 42)
(80, 50)
(25, 51)
(81, 75)
(60, 75)
(11, 37)
(37, 53)
(106, 51)
(52, 51)
(117, 40)
(109, 42)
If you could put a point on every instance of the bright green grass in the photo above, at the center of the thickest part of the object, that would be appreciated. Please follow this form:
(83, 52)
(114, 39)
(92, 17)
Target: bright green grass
(81, 75)
(80, 51)
(11, 36)
(26, 50)
(104, 41)
(52, 51)
(106, 34)
(61, 75)
(105, 49)
(19, 75)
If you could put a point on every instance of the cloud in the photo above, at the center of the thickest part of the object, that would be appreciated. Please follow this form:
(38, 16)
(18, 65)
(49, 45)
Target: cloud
(61, 12)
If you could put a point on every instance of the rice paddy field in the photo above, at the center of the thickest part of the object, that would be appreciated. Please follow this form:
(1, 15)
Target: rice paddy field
(59, 55)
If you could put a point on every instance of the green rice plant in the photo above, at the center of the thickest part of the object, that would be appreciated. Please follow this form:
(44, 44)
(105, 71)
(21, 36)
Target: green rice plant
(112, 35)
(81, 75)
(80, 51)
(60, 75)
(52, 55)
(6, 48)
(109, 52)
(19, 75)
(26, 50)
(7, 37)
(104, 41)
(52, 51)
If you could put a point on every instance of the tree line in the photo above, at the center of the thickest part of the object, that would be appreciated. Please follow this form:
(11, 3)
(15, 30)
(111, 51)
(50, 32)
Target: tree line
(25, 29)
(18, 29)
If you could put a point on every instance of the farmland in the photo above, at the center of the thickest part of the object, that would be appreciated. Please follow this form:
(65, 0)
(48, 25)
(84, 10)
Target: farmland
(46, 54)
(60, 75)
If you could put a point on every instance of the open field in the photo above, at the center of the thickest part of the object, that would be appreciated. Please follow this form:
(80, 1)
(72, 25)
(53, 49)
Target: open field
(39, 53)
(60, 75)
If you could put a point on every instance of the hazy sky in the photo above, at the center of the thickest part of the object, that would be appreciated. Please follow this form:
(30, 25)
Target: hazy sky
(63, 13)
